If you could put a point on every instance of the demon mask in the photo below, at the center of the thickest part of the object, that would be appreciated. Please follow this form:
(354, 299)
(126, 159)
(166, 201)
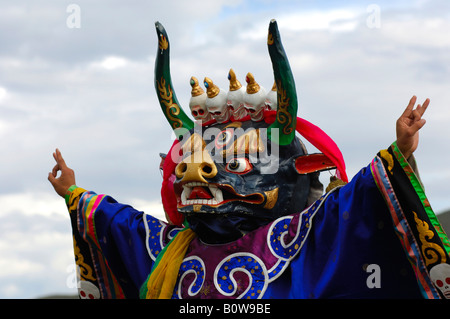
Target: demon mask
(233, 177)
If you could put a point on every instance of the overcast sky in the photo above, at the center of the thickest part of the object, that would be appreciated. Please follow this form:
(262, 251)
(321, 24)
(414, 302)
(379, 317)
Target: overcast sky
(80, 77)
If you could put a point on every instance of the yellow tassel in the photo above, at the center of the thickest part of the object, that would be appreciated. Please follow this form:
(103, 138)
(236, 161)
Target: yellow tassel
(163, 278)
(334, 182)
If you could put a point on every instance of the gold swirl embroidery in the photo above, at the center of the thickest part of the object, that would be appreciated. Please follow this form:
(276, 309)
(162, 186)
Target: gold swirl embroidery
(163, 43)
(430, 251)
(85, 271)
(73, 204)
(270, 39)
(172, 109)
(283, 115)
(389, 159)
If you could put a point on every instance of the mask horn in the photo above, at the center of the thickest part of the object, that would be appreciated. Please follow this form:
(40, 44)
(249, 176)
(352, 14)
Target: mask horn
(286, 118)
(164, 89)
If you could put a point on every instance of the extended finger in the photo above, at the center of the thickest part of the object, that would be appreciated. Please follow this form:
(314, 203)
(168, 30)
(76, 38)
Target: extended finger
(410, 106)
(422, 108)
(59, 159)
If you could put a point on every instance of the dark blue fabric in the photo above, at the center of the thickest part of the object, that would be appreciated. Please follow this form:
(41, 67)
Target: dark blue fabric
(121, 233)
(351, 230)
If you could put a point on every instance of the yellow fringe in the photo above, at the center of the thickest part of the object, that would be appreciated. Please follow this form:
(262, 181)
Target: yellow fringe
(163, 278)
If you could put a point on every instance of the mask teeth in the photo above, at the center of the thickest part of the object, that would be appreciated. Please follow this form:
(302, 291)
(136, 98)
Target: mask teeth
(200, 202)
(187, 190)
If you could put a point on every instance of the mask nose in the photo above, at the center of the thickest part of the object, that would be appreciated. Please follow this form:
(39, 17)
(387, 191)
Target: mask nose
(196, 168)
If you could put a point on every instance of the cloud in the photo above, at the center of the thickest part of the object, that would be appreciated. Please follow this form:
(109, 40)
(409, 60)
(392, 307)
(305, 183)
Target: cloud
(111, 63)
(36, 244)
(335, 20)
(3, 94)
(36, 249)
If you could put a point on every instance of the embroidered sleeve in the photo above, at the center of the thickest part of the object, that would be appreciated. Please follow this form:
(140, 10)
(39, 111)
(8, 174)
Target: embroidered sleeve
(82, 205)
(415, 223)
(86, 278)
(100, 226)
(410, 168)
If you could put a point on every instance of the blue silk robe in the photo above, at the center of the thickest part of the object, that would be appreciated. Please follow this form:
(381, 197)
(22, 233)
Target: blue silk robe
(375, 237)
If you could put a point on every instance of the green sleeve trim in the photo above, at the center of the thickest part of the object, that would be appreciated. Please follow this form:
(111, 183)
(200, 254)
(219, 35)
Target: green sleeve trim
(421, 193)
(69, 192)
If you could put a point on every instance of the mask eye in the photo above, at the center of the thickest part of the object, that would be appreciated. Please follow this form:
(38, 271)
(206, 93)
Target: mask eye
(223, 138)
(239, 165)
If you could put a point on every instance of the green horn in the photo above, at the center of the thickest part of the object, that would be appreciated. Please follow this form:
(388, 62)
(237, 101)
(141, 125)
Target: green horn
(286, 119)
(164, 89)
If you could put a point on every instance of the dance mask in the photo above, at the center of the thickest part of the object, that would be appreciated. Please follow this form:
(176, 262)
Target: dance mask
(240, 164)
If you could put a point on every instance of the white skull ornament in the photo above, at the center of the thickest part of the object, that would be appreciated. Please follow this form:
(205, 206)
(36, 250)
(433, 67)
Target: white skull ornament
(440, 274)
(272, 99)
(88, 290)
(235, 97)
(197, 103)
(254, 99)
(216, 102)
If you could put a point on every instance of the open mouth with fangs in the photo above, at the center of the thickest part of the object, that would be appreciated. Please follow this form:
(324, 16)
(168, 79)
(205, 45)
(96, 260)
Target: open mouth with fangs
(198, 193)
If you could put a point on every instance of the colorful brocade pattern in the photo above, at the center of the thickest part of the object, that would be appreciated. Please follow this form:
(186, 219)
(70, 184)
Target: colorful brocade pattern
(422, 237)
(235, 270)
(82, 206)
(304, 255)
